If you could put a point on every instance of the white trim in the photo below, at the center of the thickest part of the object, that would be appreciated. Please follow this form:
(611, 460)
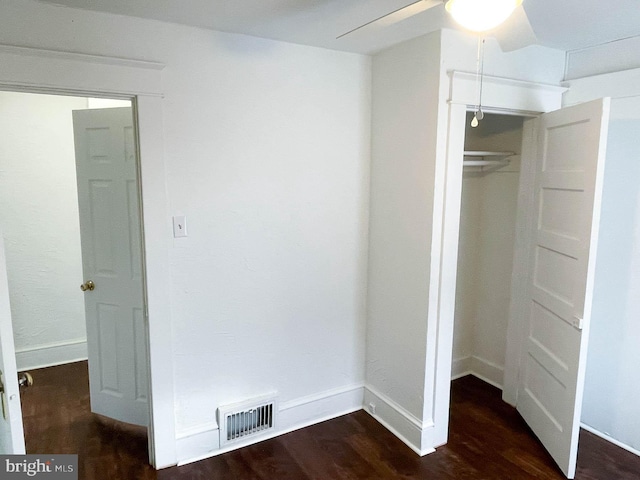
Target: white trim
(55, 72)
(416, 434)
(444, 264)
(461, 367)
(35, 69)
(335, 392)
(609, 439)
(198, 443)
(487, 371)
(157, 229)
(51, 354)
(580, 90)
(80, 57)
(479, 367)
(11, 428)
(203, 441)
(505, 94)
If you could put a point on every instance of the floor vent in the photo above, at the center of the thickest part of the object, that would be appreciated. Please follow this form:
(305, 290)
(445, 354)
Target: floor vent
(247, 419)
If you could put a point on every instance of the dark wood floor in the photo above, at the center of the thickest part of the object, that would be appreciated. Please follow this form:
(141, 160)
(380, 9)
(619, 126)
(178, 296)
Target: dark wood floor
(488, 441)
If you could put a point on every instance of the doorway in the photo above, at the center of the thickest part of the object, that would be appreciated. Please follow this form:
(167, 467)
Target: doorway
(552, 282)
(490, 183)
(56, 72)
(43, 229)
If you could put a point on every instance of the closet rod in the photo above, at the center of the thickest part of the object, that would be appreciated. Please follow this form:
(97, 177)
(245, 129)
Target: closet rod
(481, 158)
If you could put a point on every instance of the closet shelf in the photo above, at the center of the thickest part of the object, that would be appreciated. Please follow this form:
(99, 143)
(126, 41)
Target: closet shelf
(478, 158)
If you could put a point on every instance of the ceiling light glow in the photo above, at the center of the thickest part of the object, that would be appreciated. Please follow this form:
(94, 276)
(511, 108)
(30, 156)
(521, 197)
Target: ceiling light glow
(481, 15)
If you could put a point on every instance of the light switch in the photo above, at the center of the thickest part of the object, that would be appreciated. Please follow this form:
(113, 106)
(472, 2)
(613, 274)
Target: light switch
(179, 226)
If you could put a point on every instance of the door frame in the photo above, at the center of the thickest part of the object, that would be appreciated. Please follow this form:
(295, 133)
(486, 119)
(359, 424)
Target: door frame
(33, 70)
(502, 96)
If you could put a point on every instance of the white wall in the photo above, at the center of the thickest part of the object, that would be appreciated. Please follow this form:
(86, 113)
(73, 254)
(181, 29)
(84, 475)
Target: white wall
(611, 387)
(39, 220)
(267, 154)
(610, 403)
(411, 87)
(485, 253)
(467, 275)
(610, 57)
(107, 103)
(405, 89)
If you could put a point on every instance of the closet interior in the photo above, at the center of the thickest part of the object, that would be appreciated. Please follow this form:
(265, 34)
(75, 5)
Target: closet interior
(491, 175)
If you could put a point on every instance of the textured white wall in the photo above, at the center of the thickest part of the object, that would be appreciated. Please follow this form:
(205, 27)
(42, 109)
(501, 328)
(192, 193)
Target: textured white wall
(405, 80)
(39, 218)
(267, 154)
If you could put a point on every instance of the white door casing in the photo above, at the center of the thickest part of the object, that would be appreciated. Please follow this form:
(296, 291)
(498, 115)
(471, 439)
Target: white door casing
(109, 206)
(58, 72)
(500, 95)
(11, 429)
(567, 197)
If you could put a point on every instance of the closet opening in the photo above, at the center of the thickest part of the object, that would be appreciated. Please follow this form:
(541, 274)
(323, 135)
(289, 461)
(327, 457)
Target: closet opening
(539, 359)
(490, 184)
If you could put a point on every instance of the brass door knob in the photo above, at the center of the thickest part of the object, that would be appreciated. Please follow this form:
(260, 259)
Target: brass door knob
(88, 285)
(25, 379)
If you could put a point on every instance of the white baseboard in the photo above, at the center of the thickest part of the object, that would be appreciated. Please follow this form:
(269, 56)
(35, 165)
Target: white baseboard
(203, 442)
(610, 439)
(51, 354)
(460, 367)
(416, 434)
(197, 443)
(485, 370)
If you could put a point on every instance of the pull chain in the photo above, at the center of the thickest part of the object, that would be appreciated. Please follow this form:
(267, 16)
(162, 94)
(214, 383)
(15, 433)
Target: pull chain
(479, 114)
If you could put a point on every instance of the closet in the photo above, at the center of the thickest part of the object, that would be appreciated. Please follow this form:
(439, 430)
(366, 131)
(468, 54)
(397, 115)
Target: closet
(491, 175)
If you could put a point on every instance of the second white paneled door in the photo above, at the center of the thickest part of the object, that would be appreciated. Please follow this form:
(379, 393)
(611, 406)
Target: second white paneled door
(108, 197)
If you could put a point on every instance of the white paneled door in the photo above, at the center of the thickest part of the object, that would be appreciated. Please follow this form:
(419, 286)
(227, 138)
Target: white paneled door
(568, 186)
(11, 429)
(108, 198)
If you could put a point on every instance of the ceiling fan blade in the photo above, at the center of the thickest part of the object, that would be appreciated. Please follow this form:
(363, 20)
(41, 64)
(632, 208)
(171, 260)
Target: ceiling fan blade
(516, 32)
(398, 15)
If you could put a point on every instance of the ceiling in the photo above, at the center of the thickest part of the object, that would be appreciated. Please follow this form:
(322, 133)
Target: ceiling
(561, 24)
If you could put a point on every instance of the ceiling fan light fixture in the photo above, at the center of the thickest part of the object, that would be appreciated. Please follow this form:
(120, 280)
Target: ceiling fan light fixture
(481, 15)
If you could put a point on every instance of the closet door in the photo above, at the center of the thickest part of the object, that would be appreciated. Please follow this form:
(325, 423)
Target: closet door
(568, 187)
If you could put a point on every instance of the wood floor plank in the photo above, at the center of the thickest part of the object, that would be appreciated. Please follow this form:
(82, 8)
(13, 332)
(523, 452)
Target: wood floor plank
(488, 440)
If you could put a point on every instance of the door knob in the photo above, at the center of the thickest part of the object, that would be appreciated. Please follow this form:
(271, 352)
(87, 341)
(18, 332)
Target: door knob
(88, 285)
(25, 379)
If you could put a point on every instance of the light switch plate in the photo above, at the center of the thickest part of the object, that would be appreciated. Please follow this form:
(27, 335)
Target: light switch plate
(179, 226)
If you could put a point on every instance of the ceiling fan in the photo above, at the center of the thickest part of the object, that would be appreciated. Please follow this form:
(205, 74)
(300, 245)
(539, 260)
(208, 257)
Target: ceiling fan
(512, 30)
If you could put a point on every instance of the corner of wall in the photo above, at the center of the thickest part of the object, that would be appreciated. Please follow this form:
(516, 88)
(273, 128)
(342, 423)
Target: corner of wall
(416, 434)
(405, 142)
